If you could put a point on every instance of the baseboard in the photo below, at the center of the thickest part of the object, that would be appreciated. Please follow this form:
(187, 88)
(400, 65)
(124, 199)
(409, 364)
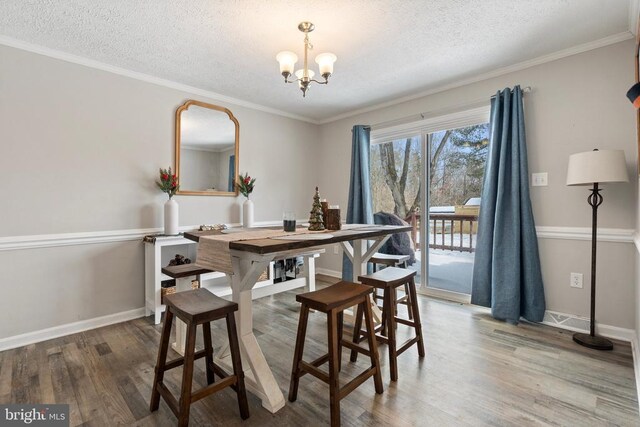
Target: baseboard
(69, 328)
(445, 295)
(330, 273)
(635, 350)
(574, 323)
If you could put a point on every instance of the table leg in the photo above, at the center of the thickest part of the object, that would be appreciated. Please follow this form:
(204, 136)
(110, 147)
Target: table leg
(258, 376)
(310, 273)
(359, 253)
(182, 284)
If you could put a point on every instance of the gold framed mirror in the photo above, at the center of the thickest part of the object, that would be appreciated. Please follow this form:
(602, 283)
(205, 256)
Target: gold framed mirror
(207, 149)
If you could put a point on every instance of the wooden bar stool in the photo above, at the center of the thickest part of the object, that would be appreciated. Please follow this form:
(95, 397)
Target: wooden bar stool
(389, 260)
(333, 300)
(198, 307)
(388, 280)
(183, 275)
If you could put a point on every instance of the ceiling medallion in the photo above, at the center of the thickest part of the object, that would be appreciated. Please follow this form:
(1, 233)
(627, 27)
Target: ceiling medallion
(304, 76)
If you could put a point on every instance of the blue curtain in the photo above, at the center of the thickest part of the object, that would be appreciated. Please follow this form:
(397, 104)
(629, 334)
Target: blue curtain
(506, 273)
(232, 172)
(360, 208)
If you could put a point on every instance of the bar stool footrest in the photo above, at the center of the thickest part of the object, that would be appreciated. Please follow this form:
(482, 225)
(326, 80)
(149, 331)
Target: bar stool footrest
(223, 374)
(212, 388)
(354, 383)
(308, 368)
(180, 360)
(406, 345)
(356, 347)
(406, 322)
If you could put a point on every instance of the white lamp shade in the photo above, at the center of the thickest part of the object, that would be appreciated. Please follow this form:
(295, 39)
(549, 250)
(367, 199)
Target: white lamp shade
(325, 62)
(287, 61)
(300, 74)
(597, 166)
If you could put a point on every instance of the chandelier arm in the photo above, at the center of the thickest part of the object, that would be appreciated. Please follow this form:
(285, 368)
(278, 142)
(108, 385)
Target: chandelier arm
(311, 80)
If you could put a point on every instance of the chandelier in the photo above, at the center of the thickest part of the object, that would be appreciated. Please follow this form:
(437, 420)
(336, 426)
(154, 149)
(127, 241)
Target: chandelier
(304, 76)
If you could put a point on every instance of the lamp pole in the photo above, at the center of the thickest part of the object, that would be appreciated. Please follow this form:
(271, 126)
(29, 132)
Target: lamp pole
(591, 340)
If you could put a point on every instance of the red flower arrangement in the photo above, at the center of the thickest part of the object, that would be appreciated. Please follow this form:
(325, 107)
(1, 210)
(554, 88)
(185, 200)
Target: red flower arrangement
(168, 182)
(245, 184)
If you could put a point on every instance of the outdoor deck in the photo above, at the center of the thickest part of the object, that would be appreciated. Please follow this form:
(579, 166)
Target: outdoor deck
(448, 270)
(452, 243)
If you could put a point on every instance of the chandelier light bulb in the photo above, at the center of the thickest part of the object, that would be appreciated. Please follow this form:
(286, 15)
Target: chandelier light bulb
(325, 63)
(287, 62)
(300, 74)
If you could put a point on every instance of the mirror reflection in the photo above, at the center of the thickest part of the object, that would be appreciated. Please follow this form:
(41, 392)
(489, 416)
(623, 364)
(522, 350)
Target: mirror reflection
(206, 149)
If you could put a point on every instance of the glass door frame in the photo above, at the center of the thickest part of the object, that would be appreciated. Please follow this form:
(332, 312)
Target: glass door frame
(425, 128)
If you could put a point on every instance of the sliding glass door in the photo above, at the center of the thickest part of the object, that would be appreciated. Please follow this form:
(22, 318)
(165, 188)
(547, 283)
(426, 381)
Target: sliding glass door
(396, 187)
(456, 166)
(431, 177)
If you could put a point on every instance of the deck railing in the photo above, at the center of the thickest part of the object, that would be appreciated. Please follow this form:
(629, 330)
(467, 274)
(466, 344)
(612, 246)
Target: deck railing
(446, 225)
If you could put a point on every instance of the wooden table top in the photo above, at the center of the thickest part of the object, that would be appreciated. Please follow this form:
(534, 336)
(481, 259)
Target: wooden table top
(266, 246)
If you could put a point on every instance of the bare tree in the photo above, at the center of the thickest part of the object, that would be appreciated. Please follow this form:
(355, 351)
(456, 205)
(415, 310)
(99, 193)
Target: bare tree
(456, 165)
(395, 184)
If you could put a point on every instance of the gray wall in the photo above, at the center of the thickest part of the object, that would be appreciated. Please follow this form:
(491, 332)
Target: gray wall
(81, 150)
(578, 103)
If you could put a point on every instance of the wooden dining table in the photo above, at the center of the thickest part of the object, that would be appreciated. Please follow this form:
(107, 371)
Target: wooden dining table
(250, 257)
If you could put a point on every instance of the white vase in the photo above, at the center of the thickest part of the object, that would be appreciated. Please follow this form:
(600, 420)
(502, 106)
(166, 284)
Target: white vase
(171, 218)
(247, 214)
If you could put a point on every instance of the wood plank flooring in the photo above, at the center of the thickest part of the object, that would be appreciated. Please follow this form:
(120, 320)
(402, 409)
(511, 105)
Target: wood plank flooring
(477, 371)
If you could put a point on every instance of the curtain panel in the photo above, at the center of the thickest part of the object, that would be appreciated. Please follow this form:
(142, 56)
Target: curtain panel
(360, 205)
(506, 274)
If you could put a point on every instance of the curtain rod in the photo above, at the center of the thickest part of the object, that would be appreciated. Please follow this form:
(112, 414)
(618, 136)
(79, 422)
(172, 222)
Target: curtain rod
(421, 116)
(525, 89)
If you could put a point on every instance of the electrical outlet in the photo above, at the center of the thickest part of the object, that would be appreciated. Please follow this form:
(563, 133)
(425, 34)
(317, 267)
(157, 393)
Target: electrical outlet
(539, 179)
(576, 280)
(336, 249)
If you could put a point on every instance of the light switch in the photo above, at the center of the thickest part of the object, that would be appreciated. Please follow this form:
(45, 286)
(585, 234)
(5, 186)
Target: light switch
(539, 179)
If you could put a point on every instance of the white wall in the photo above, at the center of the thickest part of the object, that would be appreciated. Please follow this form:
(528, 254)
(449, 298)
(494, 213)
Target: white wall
(578, 103)
(80, 151)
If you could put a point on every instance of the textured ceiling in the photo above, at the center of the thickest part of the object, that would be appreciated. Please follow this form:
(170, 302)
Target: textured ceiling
(386, 48)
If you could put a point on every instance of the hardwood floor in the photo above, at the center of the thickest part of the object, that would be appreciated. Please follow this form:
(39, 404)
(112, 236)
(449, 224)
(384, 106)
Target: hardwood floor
(477, 371)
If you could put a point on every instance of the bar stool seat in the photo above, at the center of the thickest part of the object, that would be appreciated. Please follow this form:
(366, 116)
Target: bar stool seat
(197, 307)
(388, 280)
(390, 260)
(333, 300)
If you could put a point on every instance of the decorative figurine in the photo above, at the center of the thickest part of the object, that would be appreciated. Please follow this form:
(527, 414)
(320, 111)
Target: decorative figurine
(316, 222)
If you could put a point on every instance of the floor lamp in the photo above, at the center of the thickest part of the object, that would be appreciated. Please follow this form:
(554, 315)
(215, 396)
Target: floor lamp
(594, 168)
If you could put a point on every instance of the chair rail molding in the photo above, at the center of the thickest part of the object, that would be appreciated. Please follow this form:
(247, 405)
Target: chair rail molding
(616, 235)
(35, 241)
(636, 240)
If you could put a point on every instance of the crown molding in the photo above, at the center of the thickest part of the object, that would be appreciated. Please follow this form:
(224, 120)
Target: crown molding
(634, 9)
(79, 60)
(616, 38)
